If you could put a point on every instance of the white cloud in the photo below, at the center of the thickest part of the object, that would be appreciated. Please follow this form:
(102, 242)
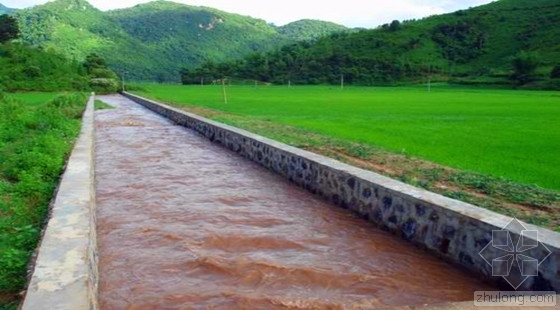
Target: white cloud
(20, 3)
(354, 13)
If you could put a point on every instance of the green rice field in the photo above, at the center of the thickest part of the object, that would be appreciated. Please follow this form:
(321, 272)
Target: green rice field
(507, 134)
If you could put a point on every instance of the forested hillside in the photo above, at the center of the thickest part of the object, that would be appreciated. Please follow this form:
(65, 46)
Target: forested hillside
(26, 68)
(153, 41)
(23, 68)
(507, 41)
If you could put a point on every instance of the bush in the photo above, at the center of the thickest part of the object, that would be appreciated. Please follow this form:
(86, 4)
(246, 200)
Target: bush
(102, 79)
(104, 86)
(103, 73)
(524, 65)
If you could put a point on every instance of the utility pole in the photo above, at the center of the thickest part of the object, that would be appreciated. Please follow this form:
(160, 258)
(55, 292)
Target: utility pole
(123, 86)
(430, 83)
(342, 81)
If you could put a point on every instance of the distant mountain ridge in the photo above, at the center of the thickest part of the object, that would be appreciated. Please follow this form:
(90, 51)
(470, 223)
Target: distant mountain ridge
(152, 41)
(5, 10)
(473, 46)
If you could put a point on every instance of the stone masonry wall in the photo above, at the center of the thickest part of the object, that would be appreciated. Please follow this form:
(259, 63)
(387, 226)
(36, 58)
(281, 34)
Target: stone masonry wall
(454, 230)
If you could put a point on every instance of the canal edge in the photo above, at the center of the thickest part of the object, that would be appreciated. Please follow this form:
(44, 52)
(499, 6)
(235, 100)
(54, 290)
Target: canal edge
(65, 274)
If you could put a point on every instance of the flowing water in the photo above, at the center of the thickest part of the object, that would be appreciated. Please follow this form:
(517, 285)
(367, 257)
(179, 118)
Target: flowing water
(184, 224)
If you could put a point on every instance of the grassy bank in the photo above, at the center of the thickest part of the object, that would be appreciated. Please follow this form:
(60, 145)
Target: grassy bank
(36, 136)
(495, 148)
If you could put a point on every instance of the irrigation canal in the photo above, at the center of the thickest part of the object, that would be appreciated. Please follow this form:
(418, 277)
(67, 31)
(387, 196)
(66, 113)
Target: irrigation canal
(184, 223)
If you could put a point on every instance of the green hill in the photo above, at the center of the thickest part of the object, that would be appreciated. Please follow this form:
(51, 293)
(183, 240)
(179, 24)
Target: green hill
(4, 9)
(187, 35)
(309, 29)
(153, 41)
(76, 29)
(468, 46)
(23, 68)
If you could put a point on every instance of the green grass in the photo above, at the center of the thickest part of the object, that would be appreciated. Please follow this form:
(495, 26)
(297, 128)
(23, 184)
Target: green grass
(492, 148)
(33, 98)
(507, 134)
(100, 105)
(35, 140)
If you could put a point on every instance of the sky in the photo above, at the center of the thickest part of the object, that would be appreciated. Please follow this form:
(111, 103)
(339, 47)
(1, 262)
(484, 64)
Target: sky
(351, 13)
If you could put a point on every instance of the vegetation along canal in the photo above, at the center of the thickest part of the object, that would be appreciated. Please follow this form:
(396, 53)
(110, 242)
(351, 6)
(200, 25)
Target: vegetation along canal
(185, 223)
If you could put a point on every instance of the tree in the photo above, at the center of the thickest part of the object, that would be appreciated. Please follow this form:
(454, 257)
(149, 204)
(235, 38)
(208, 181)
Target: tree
(94, 61)
(395, 25)
(187, 77)
(555, 73)
(9, 29)
(102, 79)
(524, 65)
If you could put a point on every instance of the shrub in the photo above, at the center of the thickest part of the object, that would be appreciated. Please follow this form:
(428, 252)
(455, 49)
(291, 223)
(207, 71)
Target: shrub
(103, 73)
(104, 86)
(524, 65)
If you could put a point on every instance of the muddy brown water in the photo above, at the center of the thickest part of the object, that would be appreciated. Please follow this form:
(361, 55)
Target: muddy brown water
(185, 224)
